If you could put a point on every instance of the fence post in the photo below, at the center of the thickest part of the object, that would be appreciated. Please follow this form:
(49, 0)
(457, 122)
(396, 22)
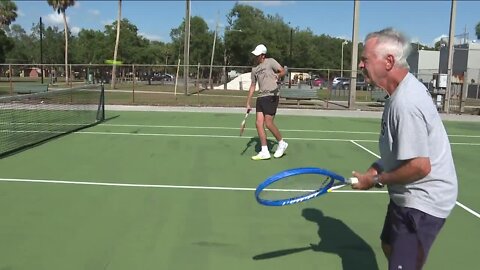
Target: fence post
(225, 76)
(10, 78)
(133, 84)
(198, 84)
(176, 79)
(463, 92)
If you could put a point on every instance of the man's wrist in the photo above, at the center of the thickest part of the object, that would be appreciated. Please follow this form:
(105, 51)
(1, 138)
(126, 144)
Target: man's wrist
(377, 182)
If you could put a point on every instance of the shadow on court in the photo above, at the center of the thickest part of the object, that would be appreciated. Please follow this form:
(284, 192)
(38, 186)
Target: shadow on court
(255, 141)
(335, 238)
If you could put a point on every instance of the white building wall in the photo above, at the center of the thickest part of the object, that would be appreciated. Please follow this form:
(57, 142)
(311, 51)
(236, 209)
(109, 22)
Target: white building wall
(427, 64)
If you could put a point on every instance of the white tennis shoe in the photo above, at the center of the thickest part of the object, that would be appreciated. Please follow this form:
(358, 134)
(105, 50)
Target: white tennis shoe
(262, 155)
(282, 147)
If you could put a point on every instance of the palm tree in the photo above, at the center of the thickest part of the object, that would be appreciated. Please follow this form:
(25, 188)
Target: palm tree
(114, 67)
(61, 6)
(8, 12)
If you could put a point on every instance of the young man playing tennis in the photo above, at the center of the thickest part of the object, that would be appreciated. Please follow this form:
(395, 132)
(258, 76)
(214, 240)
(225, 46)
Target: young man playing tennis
(266, 72)
(416, 161)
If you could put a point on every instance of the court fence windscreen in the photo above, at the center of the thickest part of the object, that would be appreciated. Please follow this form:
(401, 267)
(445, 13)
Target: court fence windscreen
(29, 119)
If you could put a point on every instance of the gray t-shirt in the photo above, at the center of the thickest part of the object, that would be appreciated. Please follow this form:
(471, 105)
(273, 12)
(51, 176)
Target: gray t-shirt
(412, 127)
(264, 74)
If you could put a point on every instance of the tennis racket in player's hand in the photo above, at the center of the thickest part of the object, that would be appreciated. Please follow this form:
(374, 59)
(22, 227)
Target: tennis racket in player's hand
(298, 185)
(244, 122)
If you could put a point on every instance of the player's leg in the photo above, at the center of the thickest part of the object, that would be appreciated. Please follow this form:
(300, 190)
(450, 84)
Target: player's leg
(271, 105)
(387, 233)
(259, 124)
(269, 123)
(411, 235)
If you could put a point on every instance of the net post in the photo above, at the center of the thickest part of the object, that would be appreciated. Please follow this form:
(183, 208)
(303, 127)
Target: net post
(102, 102)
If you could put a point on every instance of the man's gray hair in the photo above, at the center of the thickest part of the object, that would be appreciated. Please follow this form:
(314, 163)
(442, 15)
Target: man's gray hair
(391, 41)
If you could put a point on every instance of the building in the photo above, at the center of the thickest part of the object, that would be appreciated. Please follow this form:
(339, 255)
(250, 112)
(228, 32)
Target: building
(424, 64)
(466, 58)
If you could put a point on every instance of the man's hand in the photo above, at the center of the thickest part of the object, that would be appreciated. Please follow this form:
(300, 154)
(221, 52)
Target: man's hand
(365, 181)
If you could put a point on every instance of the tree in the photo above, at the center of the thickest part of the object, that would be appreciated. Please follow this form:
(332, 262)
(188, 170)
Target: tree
(117, 40)
(61, 6)
(5, 45)
(477, 30)
(53, 44)
(90, 47)
(8, 12)
(200, 41)
(274, 33)
(247, 19)
(23, 45)
(131, 46)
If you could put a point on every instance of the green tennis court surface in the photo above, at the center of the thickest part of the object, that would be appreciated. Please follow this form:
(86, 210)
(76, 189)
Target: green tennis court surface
(171, 190)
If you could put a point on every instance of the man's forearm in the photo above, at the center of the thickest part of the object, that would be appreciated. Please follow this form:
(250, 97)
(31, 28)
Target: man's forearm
(409, 172)
(250, 94)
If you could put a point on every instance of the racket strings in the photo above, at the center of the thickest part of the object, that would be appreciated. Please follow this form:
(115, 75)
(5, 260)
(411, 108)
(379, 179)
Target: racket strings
(326, 181)
(295, 186)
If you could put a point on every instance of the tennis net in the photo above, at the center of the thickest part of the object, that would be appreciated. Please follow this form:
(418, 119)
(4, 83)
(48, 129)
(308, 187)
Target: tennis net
(26, 120)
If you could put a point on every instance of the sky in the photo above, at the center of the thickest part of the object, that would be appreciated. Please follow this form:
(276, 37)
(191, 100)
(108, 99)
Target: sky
(423, 21)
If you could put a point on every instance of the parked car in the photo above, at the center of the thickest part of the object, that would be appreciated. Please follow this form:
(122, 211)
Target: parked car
(162, 77)
(317, 81)
(337, 82)
(361, 85)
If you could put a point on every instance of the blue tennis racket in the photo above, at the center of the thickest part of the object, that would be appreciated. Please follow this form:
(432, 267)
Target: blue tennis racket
(298, 185)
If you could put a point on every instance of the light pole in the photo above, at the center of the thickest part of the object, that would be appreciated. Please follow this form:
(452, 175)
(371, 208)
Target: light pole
(341, 63)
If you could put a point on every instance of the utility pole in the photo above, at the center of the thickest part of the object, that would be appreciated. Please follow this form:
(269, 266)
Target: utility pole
(451, 38)
(213, 53)
(353, 76)
(290, 58)
(186, 49)
(41, 48)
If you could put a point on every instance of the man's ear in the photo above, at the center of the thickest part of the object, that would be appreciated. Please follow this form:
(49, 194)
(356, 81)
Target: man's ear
(390, 62)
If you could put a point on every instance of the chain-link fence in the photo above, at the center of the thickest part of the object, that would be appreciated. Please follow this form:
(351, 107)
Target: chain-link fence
(155, 84)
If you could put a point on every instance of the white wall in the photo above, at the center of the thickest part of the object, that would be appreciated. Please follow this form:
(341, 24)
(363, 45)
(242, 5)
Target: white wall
(427, 64)
(428, 59)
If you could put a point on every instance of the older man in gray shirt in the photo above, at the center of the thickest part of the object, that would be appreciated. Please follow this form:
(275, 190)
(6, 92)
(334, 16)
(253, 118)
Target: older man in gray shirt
(416, 161)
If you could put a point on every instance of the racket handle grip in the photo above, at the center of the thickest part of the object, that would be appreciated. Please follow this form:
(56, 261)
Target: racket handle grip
(351, 180)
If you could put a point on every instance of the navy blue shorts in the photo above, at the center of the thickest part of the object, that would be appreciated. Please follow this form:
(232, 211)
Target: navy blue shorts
(406, 230)
(268, 105)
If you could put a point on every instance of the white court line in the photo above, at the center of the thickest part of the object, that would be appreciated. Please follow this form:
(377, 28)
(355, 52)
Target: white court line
(457, 202)
(44, 181)
(468, 210)
(364, 148)
(236, 128)
(208, 136)
(286, 130)
(231, 136)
